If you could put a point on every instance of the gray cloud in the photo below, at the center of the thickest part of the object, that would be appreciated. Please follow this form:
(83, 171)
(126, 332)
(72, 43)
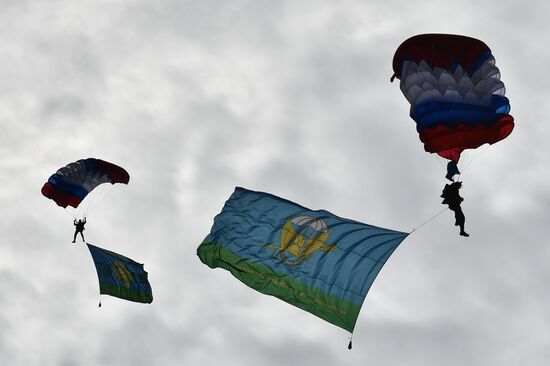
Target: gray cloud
(194, 98)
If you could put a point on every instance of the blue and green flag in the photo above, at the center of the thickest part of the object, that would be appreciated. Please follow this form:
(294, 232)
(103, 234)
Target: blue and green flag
(317, 261)
(120, 276)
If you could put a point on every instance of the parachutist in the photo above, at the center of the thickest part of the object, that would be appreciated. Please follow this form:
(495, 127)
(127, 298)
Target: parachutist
(452, 198)
(79, 228)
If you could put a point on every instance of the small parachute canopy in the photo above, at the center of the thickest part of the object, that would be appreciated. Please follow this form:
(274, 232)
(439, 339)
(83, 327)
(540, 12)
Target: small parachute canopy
(70, 184)
(456, 95)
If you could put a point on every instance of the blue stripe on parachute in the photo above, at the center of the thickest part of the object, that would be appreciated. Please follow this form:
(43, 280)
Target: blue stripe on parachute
(56, 180)
(435, 113)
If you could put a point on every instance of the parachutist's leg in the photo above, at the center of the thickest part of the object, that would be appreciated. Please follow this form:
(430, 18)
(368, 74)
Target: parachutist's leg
(460, 220)
(74, 238)
(82, 234)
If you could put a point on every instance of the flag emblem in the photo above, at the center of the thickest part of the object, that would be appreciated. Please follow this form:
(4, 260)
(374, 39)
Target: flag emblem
(301, 237)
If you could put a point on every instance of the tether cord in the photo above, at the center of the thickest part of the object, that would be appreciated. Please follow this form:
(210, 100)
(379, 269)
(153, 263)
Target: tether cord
(430, 219)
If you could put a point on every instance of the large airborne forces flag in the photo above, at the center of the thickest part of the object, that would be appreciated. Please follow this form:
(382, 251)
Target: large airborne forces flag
(317, 261)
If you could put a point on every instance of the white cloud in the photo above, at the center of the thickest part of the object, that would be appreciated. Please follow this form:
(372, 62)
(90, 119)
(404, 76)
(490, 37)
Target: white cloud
(197, 97)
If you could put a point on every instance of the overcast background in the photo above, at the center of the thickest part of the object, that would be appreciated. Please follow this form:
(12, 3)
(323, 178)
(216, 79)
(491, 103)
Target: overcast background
(293, 98)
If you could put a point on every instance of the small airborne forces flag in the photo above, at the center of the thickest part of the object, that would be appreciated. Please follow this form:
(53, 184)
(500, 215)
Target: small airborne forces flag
(120, 276)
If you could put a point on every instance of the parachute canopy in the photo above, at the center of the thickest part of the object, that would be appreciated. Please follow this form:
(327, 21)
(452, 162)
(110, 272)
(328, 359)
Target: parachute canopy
(454, 88)
(70, 184)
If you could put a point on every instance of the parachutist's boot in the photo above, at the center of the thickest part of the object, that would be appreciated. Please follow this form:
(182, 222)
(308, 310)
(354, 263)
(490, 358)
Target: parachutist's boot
(463, 233)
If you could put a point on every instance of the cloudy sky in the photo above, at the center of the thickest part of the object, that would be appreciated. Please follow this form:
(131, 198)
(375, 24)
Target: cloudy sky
(293, 98)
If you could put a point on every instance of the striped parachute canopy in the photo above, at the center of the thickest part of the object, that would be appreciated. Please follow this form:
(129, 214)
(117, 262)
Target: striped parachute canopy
(70, 184)
(454, 88)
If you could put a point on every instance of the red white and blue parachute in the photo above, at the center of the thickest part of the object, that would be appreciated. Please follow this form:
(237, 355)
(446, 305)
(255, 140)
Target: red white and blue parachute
(70, 184)
(456, 95)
